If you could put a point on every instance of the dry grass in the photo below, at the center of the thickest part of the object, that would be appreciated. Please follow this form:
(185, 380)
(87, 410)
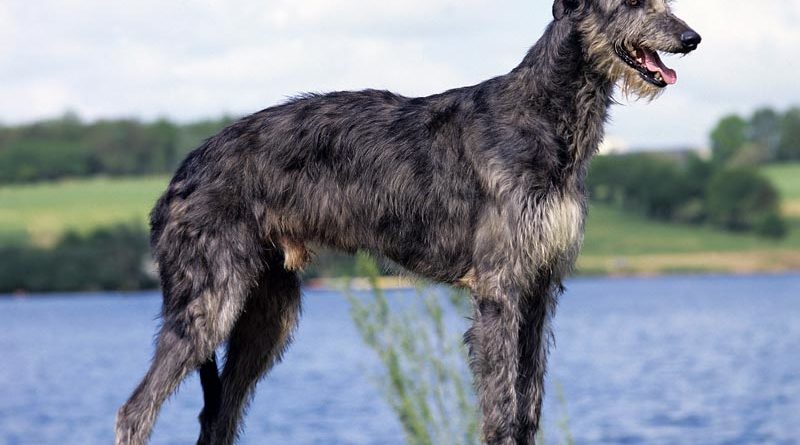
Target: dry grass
(791, 208)
(748, 262)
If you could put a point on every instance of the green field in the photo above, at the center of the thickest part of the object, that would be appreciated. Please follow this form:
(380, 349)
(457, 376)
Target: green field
(620, 242)
(42, 212)
(613, 232)
(786, 178)
(614, 239)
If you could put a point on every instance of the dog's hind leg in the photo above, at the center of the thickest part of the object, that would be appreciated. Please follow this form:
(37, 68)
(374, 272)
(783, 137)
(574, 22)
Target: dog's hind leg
(206, 277)
(175, 357)
(257, 342)
(212, 397)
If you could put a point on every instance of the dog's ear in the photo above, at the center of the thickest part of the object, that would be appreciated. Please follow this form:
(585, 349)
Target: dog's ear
(564, 7)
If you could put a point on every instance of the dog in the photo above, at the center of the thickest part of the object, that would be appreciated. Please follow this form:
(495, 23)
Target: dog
(480, 187)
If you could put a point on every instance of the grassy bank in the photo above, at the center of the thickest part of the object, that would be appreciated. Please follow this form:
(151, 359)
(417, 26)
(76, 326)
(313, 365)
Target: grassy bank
(616, 242)
(786, 178)
(622, 243)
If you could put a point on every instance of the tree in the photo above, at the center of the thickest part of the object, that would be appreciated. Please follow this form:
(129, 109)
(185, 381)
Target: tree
(696, 174)
(789, 145)
(603, 179)
(765, 130)
(32, 159)
(165, 137)
(65, 146)
(730, 134)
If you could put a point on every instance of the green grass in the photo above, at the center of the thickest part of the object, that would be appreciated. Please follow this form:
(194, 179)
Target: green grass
(624, 243)
(786, 178)
(612, 232)
(42, 212)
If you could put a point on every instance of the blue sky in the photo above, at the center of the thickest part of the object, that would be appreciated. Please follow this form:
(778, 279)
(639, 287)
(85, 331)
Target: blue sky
(195, 59)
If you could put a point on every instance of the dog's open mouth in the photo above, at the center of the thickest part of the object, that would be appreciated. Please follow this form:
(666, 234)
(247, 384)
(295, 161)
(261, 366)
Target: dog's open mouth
(649, 65)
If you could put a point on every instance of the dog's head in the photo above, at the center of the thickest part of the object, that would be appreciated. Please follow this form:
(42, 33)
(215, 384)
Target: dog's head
(623, 38)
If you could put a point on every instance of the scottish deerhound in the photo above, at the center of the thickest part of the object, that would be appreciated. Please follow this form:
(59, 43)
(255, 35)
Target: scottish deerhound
(481, 187)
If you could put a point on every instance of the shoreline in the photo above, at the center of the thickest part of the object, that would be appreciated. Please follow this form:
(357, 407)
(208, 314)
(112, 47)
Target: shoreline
(621, 267)
(735, 263)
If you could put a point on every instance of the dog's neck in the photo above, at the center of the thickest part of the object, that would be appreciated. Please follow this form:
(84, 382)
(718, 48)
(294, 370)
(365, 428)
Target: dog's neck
(558, 75)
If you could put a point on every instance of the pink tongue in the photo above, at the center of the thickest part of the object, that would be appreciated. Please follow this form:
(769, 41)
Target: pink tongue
(653, 63)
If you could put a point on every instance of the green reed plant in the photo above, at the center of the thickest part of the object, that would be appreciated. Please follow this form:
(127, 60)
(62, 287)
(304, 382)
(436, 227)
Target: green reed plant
(426, 378)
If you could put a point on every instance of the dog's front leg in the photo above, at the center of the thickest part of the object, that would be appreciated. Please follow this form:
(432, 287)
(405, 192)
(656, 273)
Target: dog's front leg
(494, 351)
(534, 338)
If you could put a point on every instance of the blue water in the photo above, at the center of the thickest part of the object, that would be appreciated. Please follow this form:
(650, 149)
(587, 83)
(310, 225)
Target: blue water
(680, 360)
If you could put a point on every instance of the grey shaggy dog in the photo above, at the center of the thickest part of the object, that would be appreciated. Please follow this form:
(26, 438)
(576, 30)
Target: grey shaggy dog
(480, 187)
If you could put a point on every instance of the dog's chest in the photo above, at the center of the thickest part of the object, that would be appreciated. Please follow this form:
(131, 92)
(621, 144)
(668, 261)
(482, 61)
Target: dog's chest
(558, 229)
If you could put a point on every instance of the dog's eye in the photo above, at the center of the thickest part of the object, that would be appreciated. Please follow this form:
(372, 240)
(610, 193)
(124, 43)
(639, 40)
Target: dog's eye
(634, 2)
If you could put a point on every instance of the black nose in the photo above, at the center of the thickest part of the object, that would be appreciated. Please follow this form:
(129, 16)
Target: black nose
(690, 40)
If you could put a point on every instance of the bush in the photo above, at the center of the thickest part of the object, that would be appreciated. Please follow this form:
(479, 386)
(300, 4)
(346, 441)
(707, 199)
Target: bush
(655, 187)
(772, 226)
(330, 263)
(113, 258)
(688, 190)
(740, 200)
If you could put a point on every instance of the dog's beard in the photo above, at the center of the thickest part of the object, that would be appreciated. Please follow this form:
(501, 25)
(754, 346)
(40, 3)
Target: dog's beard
(633, 87)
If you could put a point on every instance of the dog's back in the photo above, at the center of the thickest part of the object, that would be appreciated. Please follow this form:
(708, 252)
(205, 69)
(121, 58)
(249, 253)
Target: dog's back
(357, 170)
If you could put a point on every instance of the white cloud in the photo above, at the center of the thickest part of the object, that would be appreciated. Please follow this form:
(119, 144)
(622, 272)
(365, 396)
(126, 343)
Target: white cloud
(190, 59)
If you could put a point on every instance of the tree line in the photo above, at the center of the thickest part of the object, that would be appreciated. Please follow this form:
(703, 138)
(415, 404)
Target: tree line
(690, 191)
(68, 147)
(766, 136)
(112, 258)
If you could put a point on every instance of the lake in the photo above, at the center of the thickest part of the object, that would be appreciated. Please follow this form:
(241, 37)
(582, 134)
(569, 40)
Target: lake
(690, 360)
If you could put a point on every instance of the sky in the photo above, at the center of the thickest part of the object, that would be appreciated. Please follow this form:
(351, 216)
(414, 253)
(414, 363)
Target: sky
(189, 60)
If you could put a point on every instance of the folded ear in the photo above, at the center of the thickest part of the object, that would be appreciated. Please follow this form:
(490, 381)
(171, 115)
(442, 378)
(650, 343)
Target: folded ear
(564, 7)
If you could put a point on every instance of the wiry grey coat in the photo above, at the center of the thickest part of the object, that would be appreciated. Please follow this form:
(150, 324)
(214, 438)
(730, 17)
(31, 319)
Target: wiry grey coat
(481, 187)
